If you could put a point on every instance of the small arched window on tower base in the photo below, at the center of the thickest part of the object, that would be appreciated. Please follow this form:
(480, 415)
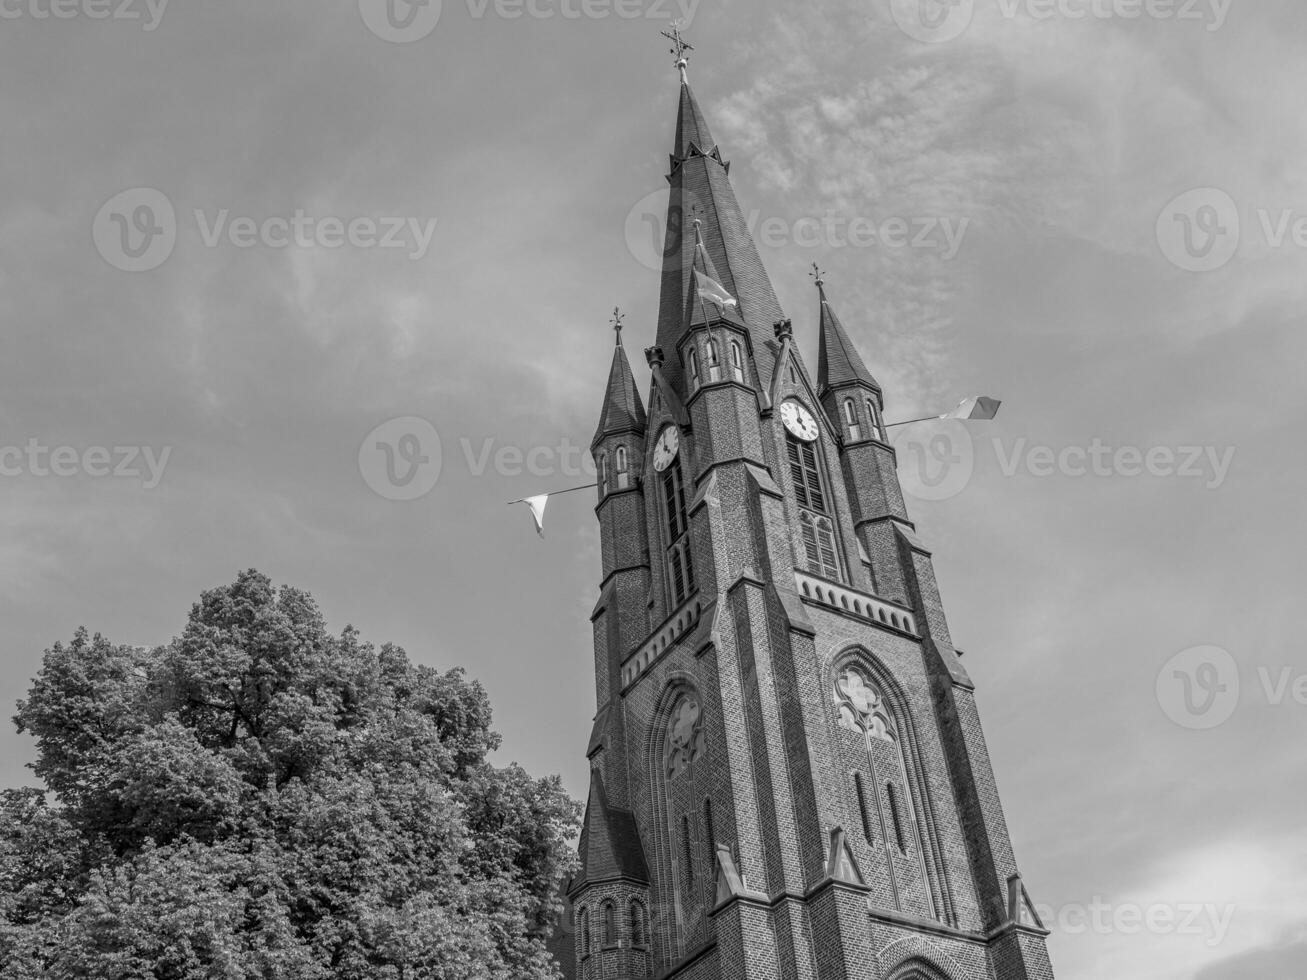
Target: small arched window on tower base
(851, 420)
(877, 422)
(622, 475)
(737, 362)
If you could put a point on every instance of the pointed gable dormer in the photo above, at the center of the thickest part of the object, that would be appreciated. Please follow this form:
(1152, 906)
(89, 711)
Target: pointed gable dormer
(707, 231)
(851, 396)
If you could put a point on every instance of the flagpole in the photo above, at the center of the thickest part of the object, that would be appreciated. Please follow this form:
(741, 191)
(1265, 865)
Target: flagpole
(556, 493)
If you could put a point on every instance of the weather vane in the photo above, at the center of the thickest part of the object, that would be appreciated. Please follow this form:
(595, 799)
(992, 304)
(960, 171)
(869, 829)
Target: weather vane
(618, 317)
(679, 46)
(818, 276)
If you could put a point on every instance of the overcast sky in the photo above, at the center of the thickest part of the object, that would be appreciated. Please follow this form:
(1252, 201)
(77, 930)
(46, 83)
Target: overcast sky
(1001, 194)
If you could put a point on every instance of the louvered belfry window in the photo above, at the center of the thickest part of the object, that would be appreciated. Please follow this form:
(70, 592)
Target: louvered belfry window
(679, 563)
(815, 528)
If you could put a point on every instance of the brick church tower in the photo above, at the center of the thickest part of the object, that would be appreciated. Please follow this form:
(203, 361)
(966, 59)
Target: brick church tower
(788, 774)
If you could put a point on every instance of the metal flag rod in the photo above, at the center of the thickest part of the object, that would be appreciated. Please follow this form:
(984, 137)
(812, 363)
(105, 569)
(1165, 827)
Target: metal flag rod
(554, 493)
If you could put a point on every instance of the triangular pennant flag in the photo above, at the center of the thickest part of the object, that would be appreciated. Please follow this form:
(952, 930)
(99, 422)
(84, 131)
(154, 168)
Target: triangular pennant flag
(978, 409)
(537, 507)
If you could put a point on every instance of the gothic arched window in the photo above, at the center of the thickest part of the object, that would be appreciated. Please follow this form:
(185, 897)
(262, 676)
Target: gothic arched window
(818, 537)
(851, 420)
(602, 460)
(623, 477)
(889, 790)
(714, 362)
(684, 735)
(737, 362)
(583, 927)
(680, 565)
(610, 925)
(877, 422)
(637, 925)
(692, 359)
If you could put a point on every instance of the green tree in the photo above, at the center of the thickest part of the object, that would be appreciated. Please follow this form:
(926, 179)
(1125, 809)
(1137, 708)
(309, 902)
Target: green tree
(262, 799)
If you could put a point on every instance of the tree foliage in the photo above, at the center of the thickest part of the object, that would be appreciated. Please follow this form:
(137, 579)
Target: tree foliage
(262, 799)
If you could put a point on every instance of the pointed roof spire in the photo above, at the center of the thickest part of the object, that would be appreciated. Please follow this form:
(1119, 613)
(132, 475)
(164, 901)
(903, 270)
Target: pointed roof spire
(701, 191)
(623, 411)
(838, 360)
(610, 844)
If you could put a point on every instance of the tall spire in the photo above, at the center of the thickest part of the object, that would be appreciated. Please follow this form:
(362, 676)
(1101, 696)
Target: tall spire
(623, 411)
(701, 190)
(838, 360)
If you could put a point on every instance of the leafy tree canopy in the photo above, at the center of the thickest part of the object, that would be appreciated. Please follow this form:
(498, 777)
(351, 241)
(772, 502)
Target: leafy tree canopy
(261, 799)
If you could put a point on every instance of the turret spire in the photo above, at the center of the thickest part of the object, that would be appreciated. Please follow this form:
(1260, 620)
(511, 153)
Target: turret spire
(623, 410)
(838, 360)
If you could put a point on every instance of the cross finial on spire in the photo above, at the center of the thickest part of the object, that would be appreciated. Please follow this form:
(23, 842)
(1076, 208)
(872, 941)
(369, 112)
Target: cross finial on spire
(818, 276)
(618, 317)
(679, 46)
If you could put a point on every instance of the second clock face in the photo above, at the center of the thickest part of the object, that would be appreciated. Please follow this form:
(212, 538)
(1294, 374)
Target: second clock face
(666, 448)
(799, 421)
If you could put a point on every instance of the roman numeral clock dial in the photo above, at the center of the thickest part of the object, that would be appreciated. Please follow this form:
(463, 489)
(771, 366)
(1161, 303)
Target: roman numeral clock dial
(666, 448)
(799, 421)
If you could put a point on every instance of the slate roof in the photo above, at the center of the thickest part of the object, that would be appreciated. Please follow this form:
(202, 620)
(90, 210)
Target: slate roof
(838, 360)
(623, 411)
(610, 841)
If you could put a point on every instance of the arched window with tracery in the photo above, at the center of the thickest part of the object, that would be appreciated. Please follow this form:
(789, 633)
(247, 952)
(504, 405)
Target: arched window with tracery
(888, 792)
(682, 781)
(737, 362)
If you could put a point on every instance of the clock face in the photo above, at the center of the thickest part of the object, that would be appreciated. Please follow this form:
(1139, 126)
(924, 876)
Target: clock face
(799, 421)
(666, 448)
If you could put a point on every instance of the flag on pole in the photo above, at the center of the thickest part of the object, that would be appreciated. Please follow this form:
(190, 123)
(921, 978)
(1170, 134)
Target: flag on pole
(537, 507)
(713, 291)
(978, 409)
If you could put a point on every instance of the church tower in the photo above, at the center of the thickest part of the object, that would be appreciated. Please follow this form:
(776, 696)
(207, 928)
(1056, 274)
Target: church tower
(788, 775)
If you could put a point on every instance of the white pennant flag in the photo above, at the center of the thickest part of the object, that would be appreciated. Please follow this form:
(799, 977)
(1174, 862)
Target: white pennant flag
(978, 409)
(537, 507)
